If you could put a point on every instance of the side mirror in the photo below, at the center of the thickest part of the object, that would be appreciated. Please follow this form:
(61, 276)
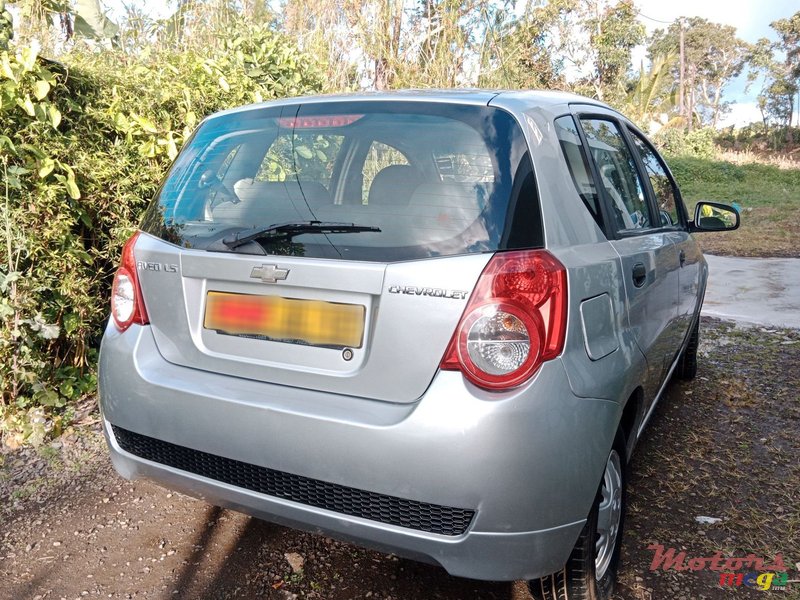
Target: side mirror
(713, 216)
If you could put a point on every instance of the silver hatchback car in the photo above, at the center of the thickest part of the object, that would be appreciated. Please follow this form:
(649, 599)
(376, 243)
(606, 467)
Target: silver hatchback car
(434, 323)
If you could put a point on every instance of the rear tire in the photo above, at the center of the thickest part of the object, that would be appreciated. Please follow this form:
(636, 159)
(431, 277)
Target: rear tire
(597, 550)
(687, 365)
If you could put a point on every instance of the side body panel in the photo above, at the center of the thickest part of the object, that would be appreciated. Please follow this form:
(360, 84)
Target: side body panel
(652, 307)
(595, 272)
(594, 267)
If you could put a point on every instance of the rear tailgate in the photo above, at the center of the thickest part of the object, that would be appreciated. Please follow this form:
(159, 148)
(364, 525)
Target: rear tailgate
(410, 311)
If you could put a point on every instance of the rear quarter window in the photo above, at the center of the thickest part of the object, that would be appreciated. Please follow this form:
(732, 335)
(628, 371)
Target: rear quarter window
(575, 156)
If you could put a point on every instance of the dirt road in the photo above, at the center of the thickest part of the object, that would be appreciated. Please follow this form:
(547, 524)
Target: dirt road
(724, 446)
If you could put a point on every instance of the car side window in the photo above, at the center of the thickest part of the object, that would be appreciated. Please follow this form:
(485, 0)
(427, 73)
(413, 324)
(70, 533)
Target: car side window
(575, 155)
(618, 175)
(663, 188)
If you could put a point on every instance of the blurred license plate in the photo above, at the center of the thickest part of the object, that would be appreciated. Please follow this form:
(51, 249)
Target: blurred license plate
(313, 322)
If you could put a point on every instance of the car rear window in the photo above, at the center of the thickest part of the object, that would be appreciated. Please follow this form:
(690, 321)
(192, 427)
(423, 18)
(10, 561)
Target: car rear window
(429, 179)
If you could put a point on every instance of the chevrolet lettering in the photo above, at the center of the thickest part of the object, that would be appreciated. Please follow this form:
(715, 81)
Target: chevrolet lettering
(425, 291)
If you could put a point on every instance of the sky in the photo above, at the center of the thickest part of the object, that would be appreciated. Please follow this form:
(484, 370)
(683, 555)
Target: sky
(750, 17)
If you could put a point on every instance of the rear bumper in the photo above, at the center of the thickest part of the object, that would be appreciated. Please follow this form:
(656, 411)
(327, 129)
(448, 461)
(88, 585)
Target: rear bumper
(527, 463)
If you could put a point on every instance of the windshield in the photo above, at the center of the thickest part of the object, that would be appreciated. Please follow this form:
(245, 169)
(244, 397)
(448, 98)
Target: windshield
(418, 179)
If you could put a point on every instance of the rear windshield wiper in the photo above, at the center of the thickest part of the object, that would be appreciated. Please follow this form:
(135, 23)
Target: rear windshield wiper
(289, 230)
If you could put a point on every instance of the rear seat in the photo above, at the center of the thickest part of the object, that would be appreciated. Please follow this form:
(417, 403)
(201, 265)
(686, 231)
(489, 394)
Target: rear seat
(422, 213)
(434, 212)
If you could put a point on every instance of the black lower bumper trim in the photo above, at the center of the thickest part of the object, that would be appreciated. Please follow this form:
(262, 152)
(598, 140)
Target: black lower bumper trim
(433, 518)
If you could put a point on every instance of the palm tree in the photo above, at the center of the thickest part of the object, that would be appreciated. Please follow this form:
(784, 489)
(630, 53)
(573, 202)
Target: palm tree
(648, 103)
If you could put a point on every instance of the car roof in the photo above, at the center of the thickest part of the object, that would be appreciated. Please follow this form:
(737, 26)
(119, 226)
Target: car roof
(509, 99)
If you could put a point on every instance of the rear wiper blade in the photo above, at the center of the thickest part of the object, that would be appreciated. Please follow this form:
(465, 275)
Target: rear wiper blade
(291, 229)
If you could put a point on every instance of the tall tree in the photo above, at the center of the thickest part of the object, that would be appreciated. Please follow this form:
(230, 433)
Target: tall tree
(713, 57)
(787, 76)
(389, 43)
(527, 52)
(614, 32)
(788, 31)
(779, 64)
(445, 34)
(385, 42)
(328, 30)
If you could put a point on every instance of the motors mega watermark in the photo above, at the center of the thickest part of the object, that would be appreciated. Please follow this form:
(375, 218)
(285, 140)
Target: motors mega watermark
(750, 571)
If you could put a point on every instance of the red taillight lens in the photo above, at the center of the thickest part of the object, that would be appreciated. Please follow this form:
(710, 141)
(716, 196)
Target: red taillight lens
(514, 321)
(127, 304)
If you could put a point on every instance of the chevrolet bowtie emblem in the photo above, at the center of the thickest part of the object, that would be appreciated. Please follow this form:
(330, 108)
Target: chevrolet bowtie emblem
(269, 273)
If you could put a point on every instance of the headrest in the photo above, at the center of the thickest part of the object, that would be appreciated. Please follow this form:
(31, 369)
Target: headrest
(393, 185)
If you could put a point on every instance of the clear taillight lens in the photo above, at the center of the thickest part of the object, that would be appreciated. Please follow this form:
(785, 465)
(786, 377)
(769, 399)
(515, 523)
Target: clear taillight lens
(515, 319)
(498, 342)
(123, 298)
(127, 304)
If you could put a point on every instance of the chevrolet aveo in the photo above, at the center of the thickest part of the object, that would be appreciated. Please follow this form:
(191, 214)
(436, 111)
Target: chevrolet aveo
(434, 323)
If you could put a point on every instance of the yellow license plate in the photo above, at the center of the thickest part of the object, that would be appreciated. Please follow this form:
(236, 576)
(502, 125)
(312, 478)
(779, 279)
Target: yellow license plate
(313, 322)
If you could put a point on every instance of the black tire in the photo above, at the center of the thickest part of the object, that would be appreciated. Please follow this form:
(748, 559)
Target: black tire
(687, 365)
(577, 580)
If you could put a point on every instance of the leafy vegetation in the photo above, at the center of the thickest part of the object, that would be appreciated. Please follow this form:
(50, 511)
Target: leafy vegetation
(6, 29)
(750, 185)
(83, 145)
(698, 143)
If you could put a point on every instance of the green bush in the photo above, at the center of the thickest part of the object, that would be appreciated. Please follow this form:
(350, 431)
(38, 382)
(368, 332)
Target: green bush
(757, 137)
(83, 147)
(676, 142)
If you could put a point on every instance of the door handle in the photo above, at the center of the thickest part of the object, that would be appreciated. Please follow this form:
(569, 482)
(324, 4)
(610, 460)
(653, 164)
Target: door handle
(639, 275)
(682, 257)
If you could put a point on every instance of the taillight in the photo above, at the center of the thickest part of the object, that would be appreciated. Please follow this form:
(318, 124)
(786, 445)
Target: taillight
(514, 321)
(127, 304)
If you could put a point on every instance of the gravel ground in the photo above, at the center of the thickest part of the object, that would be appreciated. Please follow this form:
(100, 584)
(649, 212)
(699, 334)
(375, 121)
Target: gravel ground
(726, 445)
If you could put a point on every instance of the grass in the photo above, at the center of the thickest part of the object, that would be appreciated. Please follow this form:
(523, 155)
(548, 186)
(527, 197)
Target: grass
(768, 195)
